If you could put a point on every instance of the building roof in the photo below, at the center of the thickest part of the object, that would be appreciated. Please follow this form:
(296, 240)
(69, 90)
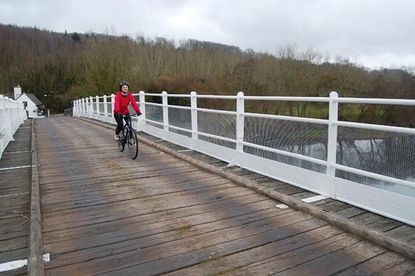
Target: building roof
(32, 97)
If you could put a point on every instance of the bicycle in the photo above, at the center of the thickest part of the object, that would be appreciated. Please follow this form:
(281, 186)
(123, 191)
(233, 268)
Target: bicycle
(129, 137)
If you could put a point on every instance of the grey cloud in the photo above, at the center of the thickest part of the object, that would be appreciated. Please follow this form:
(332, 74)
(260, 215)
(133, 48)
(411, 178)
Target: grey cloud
(374, 32)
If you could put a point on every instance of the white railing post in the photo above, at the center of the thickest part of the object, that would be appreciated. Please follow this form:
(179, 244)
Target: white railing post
(2, 125)
(142, 104)
(84, 107)
(112, 105)
(74, 108)
(165, 111)
(193, 106)
(9, 109)
(105, 107)
(81, 107)
(97, 107)
(22, 116)
(332, 133)
(91, 107)
(240, 119)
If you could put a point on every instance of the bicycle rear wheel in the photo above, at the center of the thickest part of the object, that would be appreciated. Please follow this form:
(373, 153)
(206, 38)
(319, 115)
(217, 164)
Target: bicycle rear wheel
(132, 143)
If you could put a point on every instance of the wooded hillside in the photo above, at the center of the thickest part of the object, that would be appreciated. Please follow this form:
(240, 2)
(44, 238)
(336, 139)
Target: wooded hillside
(69, 66)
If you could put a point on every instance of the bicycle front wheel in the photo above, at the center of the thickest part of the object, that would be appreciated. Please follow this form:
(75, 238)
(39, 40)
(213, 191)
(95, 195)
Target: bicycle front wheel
(132, 143)
(123, 138)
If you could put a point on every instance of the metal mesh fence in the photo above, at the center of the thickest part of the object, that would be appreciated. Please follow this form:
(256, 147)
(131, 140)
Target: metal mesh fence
(218, 124)
(385, 153)
(381, 152)
(179, 117)
(307, 139)
(154, 113)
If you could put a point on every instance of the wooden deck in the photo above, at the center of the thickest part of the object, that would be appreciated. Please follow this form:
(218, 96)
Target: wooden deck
(103, 213)
(15, 174)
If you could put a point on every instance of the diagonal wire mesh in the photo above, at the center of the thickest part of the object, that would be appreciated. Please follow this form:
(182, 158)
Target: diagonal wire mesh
(307, 139)
(382, 152)
(154, 113)
(179, 117)
(218, 124)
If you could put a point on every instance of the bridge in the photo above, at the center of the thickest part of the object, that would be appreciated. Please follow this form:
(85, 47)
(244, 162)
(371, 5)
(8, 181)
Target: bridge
(174, 210)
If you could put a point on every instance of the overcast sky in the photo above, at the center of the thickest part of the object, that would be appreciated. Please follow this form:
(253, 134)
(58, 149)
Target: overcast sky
(372, 33)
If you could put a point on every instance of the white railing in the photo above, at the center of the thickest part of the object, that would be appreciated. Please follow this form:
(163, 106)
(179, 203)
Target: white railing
(367, 165)
(12, 115)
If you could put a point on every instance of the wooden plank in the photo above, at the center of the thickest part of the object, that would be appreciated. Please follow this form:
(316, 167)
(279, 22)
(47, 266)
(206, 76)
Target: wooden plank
(404, 232)
(148, 238)
(282, 263)
(10, 255)
(170, 220)
(15, 160)
(35, 259)
(337, 261)
(366, 218)
(351, 212)
(375, 265)
(403, 268)
(14, 243)
(167, 214)
(108, 199)
(229, 263)
(167, 257)
(384, 224)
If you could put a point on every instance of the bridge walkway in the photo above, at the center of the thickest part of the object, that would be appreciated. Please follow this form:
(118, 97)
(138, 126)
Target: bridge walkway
(103, 213)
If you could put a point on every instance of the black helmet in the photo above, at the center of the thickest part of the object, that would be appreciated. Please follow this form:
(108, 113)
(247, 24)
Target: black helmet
(124, 82)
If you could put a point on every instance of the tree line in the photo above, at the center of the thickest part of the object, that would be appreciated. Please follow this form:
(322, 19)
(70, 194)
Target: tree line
(61, 67)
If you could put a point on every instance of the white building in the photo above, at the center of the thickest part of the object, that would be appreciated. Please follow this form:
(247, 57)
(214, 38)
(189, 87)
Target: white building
(32, 104)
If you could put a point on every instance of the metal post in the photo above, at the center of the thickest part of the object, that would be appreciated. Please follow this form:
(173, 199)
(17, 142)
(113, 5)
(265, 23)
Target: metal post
(9, 118)
(332, 133)
(165, 111)
(86, 109)
(112, 105)
(84, 106)
(74, 108)
(97, 107)
(91, 107)
(240, 119)
(105, 108)
(3, 142)
(193, 106)
(142, 103)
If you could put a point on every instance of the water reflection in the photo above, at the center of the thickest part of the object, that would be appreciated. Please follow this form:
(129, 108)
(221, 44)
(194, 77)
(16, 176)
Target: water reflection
(386, 153)
(392, 156)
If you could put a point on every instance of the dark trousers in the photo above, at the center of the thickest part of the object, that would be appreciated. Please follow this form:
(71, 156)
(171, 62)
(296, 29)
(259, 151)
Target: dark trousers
(119, 119)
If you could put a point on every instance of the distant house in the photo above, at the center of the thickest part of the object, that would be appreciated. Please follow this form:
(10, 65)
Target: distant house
(33, 106)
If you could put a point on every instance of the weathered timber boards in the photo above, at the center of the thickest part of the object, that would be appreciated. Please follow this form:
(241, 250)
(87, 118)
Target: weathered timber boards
(390, 228)
(159, 214)
(15, 179)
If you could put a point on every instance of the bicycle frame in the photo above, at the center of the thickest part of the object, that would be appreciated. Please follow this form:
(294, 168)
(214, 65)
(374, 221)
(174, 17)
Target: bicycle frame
(129, 137)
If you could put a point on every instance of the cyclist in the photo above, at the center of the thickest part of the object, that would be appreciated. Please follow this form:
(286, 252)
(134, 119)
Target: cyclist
(122, 99)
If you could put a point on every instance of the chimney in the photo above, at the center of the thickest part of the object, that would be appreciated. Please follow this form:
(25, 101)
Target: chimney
(17, 91)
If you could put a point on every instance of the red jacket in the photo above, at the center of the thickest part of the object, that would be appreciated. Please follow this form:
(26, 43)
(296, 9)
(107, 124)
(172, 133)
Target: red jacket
(121, 103)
